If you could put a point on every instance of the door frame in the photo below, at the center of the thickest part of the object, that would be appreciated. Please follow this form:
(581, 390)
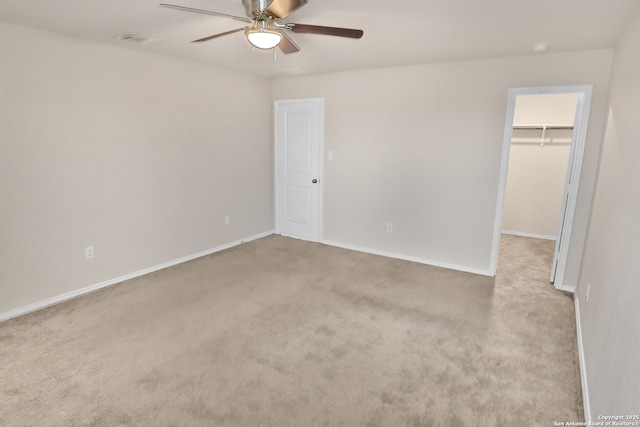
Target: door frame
(276, 144)
(572, 181)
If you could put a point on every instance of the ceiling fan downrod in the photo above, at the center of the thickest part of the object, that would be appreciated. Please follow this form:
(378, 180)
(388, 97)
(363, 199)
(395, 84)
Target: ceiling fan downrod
(256, 8)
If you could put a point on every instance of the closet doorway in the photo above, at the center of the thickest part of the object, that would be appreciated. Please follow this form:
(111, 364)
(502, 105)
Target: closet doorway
(545, 132)
(538, 161)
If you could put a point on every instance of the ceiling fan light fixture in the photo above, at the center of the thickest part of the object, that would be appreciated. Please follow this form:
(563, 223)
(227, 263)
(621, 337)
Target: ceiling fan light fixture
(263, 37)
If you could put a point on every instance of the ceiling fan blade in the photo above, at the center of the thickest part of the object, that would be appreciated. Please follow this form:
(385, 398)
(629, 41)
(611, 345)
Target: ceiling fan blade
(282, 8)
(205, 12)
(329, 31)
(287, 45)
(215, 36)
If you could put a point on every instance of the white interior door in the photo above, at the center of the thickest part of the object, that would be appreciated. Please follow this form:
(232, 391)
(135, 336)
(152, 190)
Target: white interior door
(562, 230)
(298, 139)
(561, 252)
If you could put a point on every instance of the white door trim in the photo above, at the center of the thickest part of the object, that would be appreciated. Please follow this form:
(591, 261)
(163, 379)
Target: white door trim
(277, 190)
(584, 93)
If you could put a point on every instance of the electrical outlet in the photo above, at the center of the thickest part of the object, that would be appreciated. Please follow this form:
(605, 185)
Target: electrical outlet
(227, 220)
(586, 297)
(89, 253)
(389, 227)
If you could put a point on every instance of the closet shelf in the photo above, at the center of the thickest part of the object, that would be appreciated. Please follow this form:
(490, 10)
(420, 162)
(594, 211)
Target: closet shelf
(554, 141)
(545, 136)
(541, 127)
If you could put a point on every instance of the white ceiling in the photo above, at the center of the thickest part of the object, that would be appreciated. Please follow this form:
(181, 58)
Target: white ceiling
(396, 32)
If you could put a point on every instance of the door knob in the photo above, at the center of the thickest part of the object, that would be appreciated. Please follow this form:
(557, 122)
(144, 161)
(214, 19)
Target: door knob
(314, 181)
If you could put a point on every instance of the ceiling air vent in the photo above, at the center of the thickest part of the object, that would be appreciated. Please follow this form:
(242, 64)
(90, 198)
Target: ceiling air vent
(136, 38)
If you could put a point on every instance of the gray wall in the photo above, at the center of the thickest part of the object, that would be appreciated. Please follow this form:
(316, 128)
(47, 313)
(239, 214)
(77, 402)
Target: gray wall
(420, 146)
(610, 319)
(139, 155)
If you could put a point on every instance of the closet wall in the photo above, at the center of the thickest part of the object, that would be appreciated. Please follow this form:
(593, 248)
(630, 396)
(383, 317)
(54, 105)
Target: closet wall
(538, 161)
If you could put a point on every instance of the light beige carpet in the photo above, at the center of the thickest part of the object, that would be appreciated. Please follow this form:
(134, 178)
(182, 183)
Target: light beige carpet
(281, 332)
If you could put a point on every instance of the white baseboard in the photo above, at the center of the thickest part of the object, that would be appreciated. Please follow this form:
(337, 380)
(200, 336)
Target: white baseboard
(532, 235)
(409, 258)
(88, 289)
(583, 368)
(566, 288)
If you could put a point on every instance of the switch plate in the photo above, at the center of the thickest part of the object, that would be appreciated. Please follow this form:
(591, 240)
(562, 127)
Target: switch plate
(89, 252)
(330, 155)
(389, 227)
(227, 220)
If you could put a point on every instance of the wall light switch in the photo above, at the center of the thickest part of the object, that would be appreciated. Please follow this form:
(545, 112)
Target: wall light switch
(330, 155)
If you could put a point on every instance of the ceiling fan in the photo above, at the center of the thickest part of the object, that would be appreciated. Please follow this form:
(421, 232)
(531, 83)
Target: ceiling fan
(267, 27)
